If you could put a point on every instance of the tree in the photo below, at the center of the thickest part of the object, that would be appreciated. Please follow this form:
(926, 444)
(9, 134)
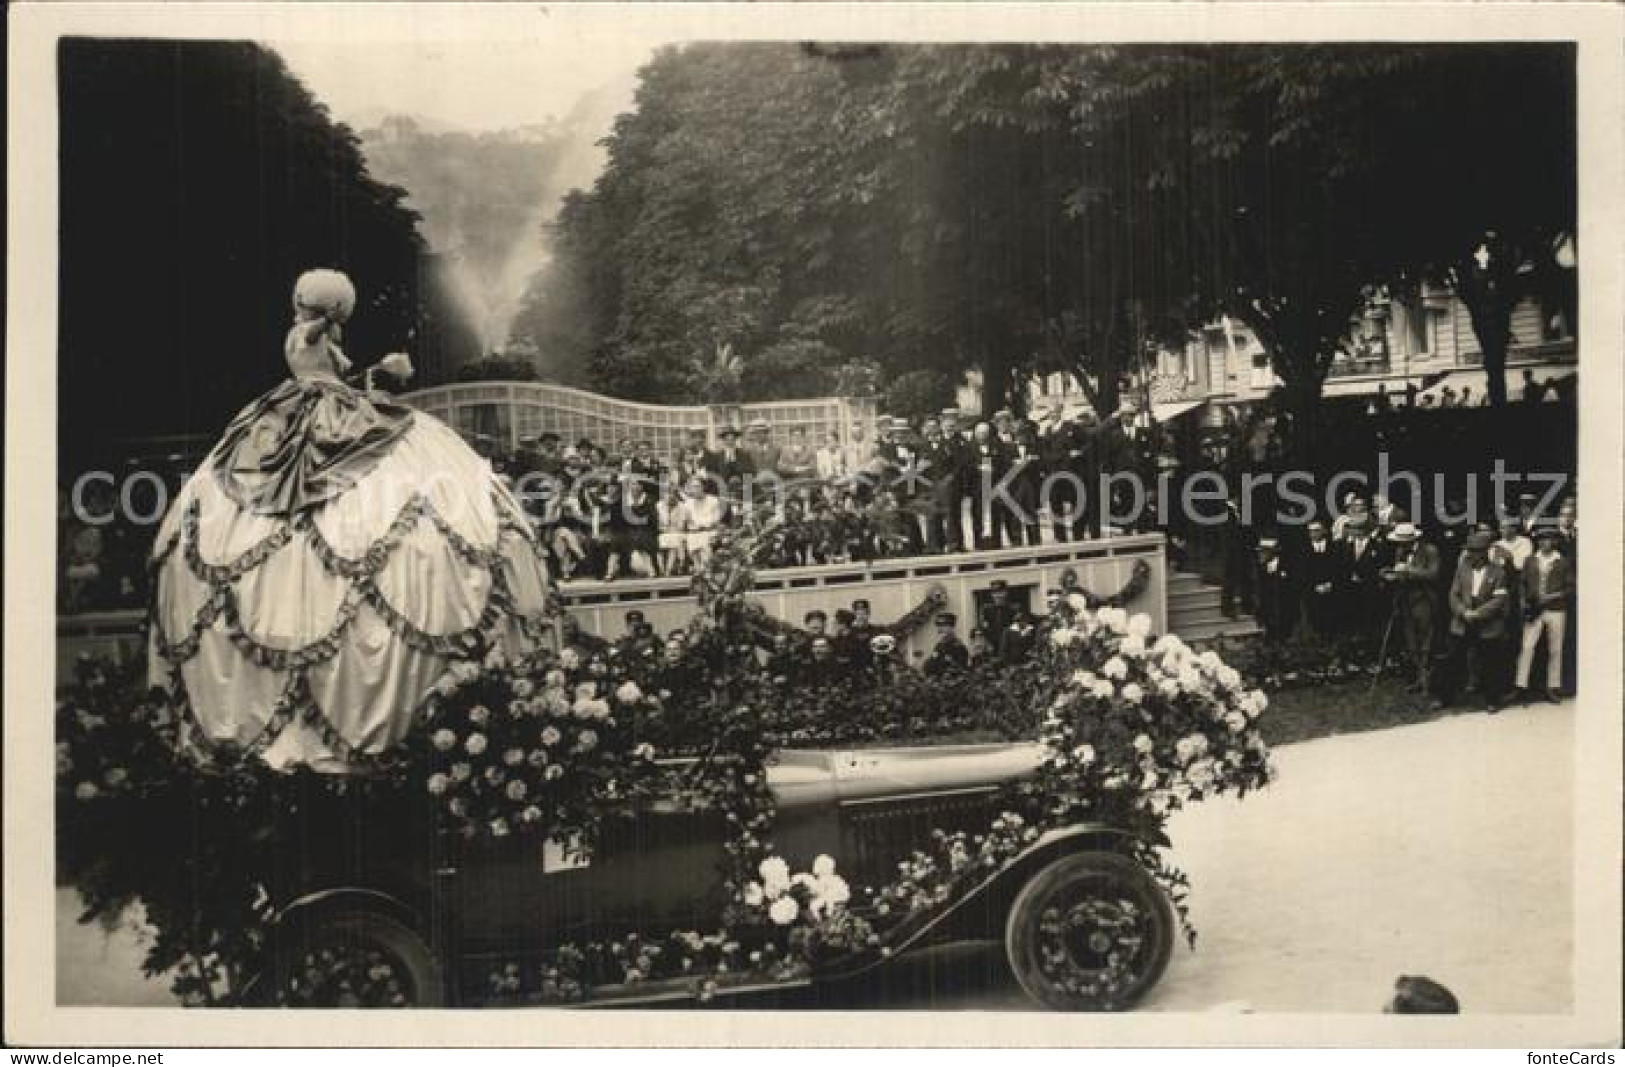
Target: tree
(198, 179)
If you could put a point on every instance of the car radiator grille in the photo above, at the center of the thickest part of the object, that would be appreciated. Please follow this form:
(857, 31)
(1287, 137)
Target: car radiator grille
(878, 833)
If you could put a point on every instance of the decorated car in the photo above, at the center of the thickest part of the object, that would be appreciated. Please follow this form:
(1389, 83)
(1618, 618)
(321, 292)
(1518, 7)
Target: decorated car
(576, 826)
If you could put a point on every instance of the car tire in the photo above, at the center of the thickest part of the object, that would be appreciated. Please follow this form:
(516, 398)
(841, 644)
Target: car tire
(355, 957)
(1090, 931)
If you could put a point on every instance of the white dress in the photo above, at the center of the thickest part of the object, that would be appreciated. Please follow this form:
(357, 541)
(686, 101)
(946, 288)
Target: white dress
(328, 563)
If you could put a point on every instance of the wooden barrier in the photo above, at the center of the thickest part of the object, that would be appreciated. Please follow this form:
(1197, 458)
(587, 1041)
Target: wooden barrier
(895, 586)
(892, 586)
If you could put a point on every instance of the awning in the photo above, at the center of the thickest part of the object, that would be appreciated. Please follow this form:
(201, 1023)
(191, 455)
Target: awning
(1166, 410)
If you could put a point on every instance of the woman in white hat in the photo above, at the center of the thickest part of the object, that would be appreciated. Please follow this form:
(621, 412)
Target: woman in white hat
(332, 558)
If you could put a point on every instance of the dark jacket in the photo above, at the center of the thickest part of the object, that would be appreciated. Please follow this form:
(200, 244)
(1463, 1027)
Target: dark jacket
(1483, 615)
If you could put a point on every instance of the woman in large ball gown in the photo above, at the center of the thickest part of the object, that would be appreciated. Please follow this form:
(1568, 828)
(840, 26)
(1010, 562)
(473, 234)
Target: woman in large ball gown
(331, 561)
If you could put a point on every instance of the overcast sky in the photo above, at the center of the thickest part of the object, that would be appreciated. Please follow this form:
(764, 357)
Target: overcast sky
(476, 85)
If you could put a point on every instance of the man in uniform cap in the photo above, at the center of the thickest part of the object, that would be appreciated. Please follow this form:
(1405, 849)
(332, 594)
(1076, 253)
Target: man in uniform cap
(1478, 606)
(1548, 584)
(1276, 592)
(997, 614)
(1411, 577)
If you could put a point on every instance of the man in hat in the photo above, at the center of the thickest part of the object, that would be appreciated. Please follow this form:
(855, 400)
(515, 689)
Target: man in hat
(1548, 583)
(1019, 638)
(843, 647)
(759, 444)
(1478, 605)
(1512, 543)
(1363, 606)
(1276, 592)
(997, 614)
(950, 655)
(732, 461)
(1411, 577)
(1320, 569)
(863, 628)
(696, 458)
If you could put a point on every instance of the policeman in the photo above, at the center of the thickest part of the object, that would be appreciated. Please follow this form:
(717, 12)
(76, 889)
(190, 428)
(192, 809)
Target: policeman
(863, 631)
(950, 653)
(997, 615)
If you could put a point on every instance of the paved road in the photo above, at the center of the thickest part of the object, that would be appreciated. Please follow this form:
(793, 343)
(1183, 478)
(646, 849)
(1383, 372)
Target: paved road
(1441, 849)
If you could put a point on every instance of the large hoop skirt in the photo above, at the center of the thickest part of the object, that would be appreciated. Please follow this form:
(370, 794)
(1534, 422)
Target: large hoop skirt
(310, 627)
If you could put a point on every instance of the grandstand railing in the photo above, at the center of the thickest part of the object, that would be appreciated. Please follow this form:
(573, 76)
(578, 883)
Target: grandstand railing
(509, 412)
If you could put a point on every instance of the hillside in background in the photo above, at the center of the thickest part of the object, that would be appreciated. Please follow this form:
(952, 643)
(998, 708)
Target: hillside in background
(486, 198)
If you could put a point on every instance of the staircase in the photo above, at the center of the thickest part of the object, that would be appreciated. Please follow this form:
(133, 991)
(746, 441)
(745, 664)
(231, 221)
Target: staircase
(1193, 611)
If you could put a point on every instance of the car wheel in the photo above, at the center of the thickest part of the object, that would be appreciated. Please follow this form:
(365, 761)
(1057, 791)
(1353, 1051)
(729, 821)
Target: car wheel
(355, 958)
(1091, 931)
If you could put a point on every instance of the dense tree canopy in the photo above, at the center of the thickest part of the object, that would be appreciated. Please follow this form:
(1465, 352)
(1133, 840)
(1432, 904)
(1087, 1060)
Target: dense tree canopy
(198, 179)
(1013, 209)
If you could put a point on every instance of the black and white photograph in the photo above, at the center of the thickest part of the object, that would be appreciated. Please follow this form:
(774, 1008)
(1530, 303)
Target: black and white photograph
(1065, 522)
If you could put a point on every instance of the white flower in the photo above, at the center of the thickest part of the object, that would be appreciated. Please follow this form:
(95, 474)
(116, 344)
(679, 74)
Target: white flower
(569, 659)
(465, 671)
(753, 894)
(475, 744)
(586, 690)
(444, 740)
(514, 757)
(1064, 636)
(644, 751)
(86, 791)
(1255, 703)
(523, 688)
(1133, 693)
(629, 693)
(438, 783)
(1115, 668)
(1168, 687)
(550, 736)
(1189, 680)
(1143, 744)
(554, 770)
(461, 772)
(1237, 721)
(1084, 754)
(517, 790)
(833, 890)
(446, 684)
(1103, 690)
(784, 910)
(1210, 660)
(479, 714)
(775, 875)
(1084, 679)
(823, 866)
(1229, 677)
(1169, 644)
(1079, 605)
(1114, 619)
(1189, 747)
(586, 740)
(554, 679)
(1133, 645)
(494, 659)
(1139, 625)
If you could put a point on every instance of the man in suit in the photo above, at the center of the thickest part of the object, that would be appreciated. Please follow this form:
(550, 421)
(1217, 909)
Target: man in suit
(1319, 572)
(1277, 593)
(939, 456)
(1548, 582)
(1411, 577)
(1364, 607)
(1238, 549)
(759, 444)
(950, 654)
(1478, 605)
(861, 633)
(985, 464)
(730, 461)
